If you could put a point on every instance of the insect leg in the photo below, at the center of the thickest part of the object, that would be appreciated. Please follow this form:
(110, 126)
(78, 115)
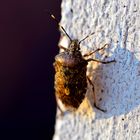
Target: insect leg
(90, 53)
(65, 49)
(94, 96)
(103, 62)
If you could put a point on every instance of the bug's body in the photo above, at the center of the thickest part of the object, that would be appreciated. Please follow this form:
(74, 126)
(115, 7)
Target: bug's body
(70, 77)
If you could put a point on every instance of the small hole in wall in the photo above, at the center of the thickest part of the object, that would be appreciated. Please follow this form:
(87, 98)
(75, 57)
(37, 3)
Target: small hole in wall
(100, 99)
(71, 10)
(102, 90)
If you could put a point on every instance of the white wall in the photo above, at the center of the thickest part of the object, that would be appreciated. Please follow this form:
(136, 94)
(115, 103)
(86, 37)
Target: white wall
(116, 22)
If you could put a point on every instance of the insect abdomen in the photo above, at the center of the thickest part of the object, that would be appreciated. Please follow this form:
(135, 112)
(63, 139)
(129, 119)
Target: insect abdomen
(70, 84)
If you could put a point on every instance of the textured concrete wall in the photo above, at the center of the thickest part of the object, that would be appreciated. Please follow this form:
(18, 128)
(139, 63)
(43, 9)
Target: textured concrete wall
(117, 86)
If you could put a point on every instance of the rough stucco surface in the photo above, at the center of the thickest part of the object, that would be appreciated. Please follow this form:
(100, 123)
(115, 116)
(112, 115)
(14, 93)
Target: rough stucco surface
(117, 86)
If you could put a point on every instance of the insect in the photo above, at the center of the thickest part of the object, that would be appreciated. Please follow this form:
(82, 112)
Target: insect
(70, 77)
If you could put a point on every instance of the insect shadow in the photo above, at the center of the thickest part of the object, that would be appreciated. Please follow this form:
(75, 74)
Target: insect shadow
(117, 85)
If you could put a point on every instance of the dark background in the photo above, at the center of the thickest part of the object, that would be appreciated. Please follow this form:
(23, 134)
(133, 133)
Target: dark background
(28, 44)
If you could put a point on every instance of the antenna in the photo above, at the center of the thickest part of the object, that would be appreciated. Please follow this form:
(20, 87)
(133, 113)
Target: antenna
(86, 37)
(53, 17)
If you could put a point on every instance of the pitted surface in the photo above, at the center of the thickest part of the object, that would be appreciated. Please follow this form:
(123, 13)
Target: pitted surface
(117, 86)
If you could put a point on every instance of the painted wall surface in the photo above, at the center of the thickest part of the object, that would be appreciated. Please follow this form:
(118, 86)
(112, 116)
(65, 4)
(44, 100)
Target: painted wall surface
(117, 85)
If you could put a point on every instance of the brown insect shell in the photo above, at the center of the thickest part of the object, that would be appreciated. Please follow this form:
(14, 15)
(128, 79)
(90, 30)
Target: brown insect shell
(70, 77)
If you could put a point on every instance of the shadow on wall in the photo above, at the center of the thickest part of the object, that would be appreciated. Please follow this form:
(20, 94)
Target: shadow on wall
(117, 85)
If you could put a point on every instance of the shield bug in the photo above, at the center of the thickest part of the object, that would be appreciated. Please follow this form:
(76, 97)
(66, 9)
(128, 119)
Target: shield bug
(70, 77)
